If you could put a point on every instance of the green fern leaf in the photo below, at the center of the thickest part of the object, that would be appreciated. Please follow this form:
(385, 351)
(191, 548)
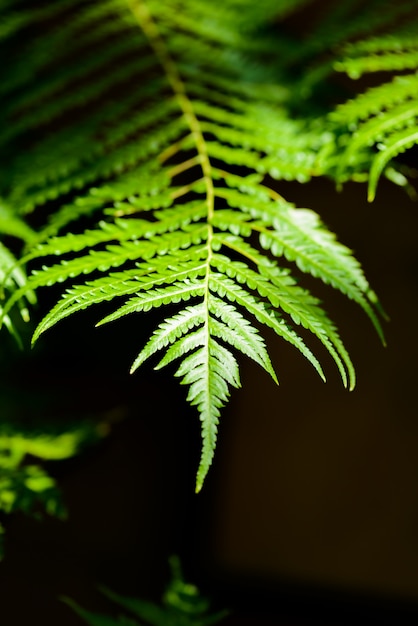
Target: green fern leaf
(376, 99)
(80, 298)
(387, 62)
(158, 193)
(238, 332)
(265, 314)
(282, 292)
(208, 371)
(385, 115)
(394, 145)
(170, 330)
(13, 279)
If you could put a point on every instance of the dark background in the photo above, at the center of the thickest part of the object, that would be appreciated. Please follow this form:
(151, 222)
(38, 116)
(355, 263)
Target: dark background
(310, 512)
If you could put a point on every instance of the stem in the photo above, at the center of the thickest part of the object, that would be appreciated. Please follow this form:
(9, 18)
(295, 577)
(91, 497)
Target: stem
(145, 20)
(148, 26)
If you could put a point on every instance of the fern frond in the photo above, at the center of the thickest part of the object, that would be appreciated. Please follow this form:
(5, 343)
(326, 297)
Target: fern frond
(299, 236)
(13, 279)
(401, 41)
(385, 53)
(170, 330)
(208, 371)
(383, 118)
(376, 99)
(181, 603)
(12, 225)
(384, 62)
(27, 486)
(160, 195)
(282, 292)
(345, 20)
(234, 329)
(341, 23)
(118, 285)
(392, 146)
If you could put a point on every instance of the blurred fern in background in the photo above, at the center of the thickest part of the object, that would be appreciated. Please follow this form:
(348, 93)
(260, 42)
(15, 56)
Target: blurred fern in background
(181, 605)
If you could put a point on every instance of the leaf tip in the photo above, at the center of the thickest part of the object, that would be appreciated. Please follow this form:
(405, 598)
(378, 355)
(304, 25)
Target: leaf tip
(371, 193)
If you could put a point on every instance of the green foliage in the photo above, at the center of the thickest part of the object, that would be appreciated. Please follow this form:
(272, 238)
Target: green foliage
(182, 605)
(27, 486)
(142, 142)
(12, 275)
(384, 116)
